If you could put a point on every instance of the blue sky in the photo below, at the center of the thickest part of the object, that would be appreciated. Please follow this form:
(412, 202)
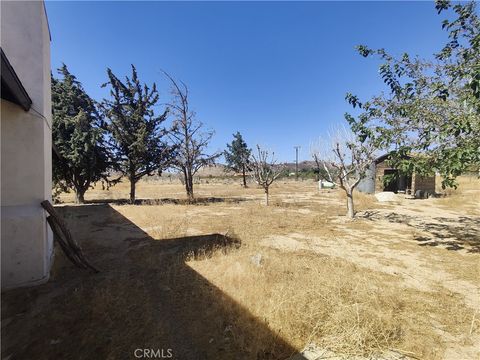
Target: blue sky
(275, 71)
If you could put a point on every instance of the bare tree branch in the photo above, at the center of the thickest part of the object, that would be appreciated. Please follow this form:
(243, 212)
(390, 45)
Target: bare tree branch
(265, 170)
(187, 136)
(345, 160)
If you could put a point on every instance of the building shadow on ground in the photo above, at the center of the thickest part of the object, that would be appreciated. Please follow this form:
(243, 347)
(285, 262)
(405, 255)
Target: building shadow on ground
(145, 297)
(450, 233)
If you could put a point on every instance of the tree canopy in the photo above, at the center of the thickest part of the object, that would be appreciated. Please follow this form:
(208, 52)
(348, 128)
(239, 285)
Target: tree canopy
(136, 134)
(237, 156)
(81, 157)
(432, 107)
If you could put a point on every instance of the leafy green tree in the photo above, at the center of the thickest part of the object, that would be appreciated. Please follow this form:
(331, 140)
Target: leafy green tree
(432, 109)
(237, 156)
(80, 157)
(136, 134)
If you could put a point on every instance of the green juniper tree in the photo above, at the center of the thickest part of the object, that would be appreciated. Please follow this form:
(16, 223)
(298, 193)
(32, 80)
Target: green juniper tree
(136, 134)
(237, 156)
(432, 109)
(80, 157)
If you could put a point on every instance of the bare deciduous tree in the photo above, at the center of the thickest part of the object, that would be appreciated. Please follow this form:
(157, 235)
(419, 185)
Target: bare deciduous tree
(315, 153)
(345, 160)
(265, 170)
(187, 136)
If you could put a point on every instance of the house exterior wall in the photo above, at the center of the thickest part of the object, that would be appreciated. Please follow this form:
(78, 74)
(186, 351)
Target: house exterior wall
(425, 183)
(379, 172)
(373, 181)
(26, 240)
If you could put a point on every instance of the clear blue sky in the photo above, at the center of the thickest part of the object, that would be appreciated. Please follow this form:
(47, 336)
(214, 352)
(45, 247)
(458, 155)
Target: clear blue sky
(275, 71)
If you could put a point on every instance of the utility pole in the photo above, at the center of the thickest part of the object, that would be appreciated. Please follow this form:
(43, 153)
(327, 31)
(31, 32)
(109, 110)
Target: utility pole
(296, 162)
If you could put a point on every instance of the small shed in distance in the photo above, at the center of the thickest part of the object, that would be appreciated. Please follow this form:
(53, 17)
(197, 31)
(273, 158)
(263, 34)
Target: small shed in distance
(383, 177)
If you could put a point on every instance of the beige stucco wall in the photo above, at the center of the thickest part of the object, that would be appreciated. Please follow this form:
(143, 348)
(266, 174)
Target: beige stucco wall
(26, 240)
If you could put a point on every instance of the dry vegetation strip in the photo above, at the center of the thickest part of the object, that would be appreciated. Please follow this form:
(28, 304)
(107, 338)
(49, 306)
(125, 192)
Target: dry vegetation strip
(302, 275)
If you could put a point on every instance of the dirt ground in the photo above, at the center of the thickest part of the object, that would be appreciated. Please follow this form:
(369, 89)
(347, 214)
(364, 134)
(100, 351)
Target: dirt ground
(229, 278)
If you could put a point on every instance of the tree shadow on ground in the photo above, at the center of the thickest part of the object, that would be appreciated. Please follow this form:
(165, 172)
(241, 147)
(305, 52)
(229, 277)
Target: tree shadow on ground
(145, 297)
(174, 201)
(450, 233)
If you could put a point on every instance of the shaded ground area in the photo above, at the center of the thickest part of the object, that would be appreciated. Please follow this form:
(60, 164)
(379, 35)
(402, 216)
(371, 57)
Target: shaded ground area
(145, 297)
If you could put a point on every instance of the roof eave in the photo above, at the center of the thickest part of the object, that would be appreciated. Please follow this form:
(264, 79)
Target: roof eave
(13, 83)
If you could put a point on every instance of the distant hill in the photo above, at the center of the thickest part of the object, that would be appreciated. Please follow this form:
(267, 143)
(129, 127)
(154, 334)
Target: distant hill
(303, 165)
(218, 170)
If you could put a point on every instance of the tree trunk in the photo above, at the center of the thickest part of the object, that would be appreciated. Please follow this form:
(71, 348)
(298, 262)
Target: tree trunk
(79, 196)
(190, 191)
(266, 196)
(132, 190)
(244, 177)
(350, 208)
(189, 185)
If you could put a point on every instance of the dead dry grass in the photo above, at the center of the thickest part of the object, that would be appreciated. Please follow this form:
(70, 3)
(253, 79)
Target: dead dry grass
(303, 274)
(362, 201)
(466, 195)
(335, 304)
(299, 296)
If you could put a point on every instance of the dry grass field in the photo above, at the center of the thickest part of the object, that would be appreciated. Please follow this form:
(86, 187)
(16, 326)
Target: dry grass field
(229, 278)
